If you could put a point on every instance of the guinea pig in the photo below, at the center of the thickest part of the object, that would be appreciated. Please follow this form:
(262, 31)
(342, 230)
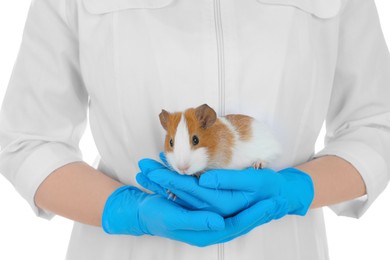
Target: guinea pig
(197, 140)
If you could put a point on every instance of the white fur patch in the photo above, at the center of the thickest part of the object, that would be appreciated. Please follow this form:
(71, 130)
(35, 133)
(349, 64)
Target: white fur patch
(183, 156)
(262, 147)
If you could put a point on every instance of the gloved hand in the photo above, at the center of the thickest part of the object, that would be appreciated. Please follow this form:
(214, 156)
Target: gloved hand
(130, 211)
(228, 192)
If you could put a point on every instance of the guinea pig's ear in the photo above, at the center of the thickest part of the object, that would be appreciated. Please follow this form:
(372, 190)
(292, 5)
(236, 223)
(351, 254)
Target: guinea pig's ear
(164, 116)
(206, 115)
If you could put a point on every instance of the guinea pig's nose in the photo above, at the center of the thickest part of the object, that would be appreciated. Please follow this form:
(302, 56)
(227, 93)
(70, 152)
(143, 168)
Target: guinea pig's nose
(183, 168)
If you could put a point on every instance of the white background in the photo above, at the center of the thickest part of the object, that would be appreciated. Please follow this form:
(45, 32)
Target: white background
(24, 236)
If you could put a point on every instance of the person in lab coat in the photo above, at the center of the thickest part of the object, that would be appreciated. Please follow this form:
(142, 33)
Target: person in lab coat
(291, 64)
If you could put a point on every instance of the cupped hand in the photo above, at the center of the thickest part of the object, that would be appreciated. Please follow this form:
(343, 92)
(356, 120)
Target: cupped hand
(228, 192)
(133, 212)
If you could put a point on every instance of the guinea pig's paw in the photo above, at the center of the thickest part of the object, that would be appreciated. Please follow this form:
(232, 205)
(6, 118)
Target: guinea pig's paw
(197, 174)
(171, 195)
(259, 165)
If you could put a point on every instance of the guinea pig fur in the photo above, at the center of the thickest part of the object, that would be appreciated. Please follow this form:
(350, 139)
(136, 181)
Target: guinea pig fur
(197, 140)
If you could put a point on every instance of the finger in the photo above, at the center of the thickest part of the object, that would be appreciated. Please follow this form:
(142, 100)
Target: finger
(246, 180)
(185, 204)
(152, 186)
(170, 179)
(147, 165)
(258, 214)
(195, 221)
(190, 200)
(282, 208)
(226, 179)
(160, 180)
(184, 186)
(164, 176)
(182, 198)
(236, 226)
(163, 158)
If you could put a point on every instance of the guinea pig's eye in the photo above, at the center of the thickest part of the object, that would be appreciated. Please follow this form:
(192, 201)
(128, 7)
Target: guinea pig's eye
(171, 142)
(195, 140)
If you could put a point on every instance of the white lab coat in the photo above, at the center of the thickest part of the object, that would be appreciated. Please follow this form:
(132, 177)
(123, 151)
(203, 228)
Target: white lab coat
(290, 63)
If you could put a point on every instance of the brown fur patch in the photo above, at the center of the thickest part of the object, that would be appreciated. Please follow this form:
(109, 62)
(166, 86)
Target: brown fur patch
(217, 138)
(205, 115)
(172, 123)
(242, 124)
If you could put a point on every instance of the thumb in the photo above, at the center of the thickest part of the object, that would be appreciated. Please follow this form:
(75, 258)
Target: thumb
(147, 165)
(164, 159)
(148, 184)
(227, 179)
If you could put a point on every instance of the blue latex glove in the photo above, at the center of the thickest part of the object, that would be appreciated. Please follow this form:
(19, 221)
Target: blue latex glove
(130, 211)
(228, 192)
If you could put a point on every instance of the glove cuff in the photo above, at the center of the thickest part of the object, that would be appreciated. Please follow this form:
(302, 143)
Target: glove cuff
(120, 214)
(299, 190)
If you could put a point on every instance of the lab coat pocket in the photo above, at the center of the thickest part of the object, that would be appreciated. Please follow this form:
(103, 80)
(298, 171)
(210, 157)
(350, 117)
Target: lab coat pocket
(324, 9)
(107, 6)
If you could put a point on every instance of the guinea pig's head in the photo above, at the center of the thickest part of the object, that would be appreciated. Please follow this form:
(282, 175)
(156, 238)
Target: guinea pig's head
(188, 138)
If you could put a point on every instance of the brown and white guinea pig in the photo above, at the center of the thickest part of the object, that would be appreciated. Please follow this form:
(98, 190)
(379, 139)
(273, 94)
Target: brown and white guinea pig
(197, 140)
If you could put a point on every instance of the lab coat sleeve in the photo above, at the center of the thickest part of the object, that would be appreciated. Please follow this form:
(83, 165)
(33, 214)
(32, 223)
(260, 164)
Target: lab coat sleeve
(43, 114)
(358, 120)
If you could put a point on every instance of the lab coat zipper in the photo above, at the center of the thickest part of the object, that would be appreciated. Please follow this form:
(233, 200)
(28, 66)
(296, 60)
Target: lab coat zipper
(220, 53)
(221, 79)
(221, 252)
